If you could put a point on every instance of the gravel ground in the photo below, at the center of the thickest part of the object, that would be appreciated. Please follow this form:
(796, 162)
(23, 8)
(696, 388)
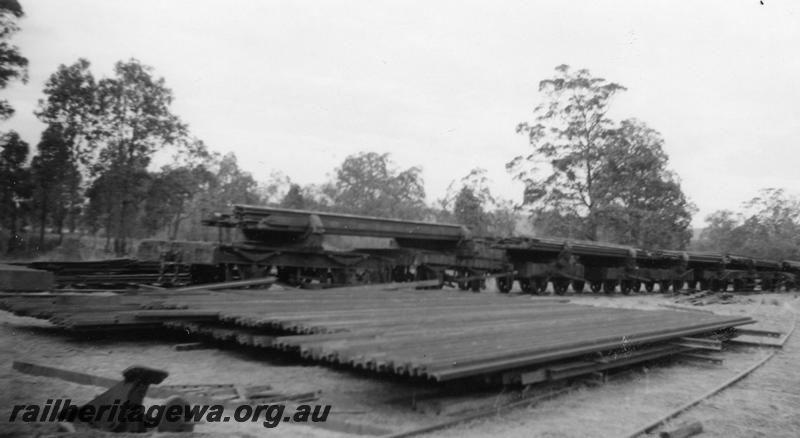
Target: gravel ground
(766, 403)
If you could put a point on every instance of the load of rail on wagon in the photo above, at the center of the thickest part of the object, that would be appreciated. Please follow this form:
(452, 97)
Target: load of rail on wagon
(320, 249)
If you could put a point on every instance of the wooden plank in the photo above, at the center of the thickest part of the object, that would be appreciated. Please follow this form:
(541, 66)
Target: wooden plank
(70, 376)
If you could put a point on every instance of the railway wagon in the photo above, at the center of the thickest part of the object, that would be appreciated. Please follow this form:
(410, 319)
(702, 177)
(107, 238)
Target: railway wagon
(321, 249)
(597, 266)
(305, 248)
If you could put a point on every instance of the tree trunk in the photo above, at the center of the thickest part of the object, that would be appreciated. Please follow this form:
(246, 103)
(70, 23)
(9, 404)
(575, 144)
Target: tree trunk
(42, 220)
(591, 226)
(12, 239)
(108, 231)
(60, 230)
(177, 222)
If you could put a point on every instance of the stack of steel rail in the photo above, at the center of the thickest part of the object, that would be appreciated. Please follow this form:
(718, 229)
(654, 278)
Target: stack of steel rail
(438, 335)
(105, 273)
(269, 219)
(578, 247)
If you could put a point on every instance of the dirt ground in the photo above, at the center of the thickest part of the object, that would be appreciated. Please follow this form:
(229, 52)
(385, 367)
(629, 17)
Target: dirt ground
(766, 403)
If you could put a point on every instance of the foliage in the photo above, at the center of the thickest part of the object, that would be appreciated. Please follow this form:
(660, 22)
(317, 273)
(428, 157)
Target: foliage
(170, 193)
(468, 210)
(588, 177)
(642, 203)
(13, 66)
(71, 106)
(14, 184)
(568, 134)
(367, 183)
(54, 177)
(294, 198)
(134, 121)
(768, 227)
(474, 205)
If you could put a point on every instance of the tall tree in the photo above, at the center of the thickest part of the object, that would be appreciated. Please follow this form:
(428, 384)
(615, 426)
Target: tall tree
(600, 179)
(14, 185)
(70, 110)
(568, 134)
(53, 174)
(134, 121)
(13, 65)
(641, 201)
(368, 184)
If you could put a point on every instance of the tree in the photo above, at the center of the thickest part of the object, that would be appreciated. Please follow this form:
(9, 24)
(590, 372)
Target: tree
(568, 134)
(367, 183)
(223, 185)
(53, 174)
(601, 179)
(70, 110)
(640, 200)
(294, 198)
(504, 219)
(169, 195)
(473, 204)
(470, 199)
(235, 186)
(13, 66)
(767, 227)
(14, 184)
(134, 121)
(722, 233)
(554, 223)
(468, 211)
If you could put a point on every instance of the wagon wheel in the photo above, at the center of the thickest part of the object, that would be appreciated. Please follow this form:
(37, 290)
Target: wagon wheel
(677, 285)
(636, 286)
(560, 286)
(596, 286)
(504, 284)
(609, 286)
(649, 286)
(626, 286)
(526, 285)
(475, 285)
(541, 286)
(577, 286)
(462, 284)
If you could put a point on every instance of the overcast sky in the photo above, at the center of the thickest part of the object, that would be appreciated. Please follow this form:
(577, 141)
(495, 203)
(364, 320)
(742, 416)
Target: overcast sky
(299, 85)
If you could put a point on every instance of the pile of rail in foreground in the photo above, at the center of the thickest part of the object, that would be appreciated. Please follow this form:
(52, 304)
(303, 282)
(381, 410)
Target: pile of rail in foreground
(433, 334)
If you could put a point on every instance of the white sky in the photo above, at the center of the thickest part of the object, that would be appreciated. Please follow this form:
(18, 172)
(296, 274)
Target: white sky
(299, 85)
